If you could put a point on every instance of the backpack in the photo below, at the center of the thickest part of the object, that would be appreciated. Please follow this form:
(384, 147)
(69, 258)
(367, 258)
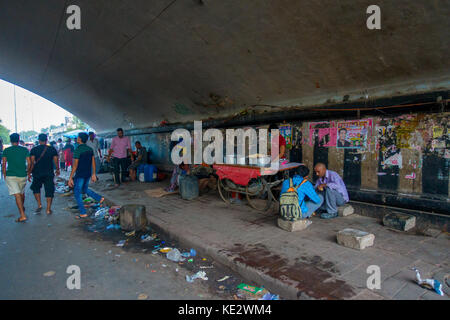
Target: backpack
(290, 210)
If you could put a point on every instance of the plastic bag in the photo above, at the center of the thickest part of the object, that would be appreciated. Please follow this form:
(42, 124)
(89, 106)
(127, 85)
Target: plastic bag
(431, 284)
(174, 255)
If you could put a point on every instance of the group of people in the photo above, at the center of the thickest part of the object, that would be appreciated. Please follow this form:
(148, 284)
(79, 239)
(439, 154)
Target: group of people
(40, 165)
(325, 197)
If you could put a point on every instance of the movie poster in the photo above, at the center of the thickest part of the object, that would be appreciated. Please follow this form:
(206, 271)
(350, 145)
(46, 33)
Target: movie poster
(322, 134)
(353, 134)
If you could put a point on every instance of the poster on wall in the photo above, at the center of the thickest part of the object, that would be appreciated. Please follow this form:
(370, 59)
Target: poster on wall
(322, 134)
(353, 134)
(286, 132)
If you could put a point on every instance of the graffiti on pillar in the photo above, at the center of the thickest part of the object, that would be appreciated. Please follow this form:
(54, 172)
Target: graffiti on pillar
(322, 134)
(390, 160)
(353, 134)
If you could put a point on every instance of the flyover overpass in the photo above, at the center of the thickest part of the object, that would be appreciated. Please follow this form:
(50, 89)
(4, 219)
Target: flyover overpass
(149, 66)
(137, 63)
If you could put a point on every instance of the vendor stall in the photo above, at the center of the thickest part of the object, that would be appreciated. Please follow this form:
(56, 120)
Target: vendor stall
(257, 183)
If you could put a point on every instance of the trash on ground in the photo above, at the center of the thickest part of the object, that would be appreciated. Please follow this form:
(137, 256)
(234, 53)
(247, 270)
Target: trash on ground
(146, 238)
(206, 267)
(193, 253)
(130, 234)
(49, 274)
(175, 255)
(270, 296)
(251, 289)
(223, 279)
(186, 254)
(142, 297)
(191, 260)
(165, 250)
(121, 243)
(430, 284)
(198, 275)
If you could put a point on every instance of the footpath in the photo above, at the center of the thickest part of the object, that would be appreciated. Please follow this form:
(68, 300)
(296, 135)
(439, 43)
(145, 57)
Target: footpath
(307, 264)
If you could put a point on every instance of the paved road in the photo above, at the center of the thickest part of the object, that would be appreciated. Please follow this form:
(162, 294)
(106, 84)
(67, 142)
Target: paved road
(52, 243)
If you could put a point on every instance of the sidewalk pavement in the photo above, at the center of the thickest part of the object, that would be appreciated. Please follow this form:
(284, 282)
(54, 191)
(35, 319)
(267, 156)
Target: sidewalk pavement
(308, 264)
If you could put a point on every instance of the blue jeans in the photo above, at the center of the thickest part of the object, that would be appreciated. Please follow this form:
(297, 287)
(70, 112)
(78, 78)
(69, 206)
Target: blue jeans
(312, 206)
(333, 200)
(81, 186)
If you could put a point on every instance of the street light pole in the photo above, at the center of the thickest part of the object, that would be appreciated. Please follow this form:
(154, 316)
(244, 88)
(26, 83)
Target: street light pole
(15, 109)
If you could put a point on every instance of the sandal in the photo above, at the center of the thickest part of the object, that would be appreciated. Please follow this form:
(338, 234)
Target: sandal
(21, 220)
(81, 216)
(38, 210)
(50, 212)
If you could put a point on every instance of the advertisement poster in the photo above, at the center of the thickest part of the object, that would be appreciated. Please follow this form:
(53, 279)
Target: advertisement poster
(322, 134)
(353, 134)
(286, 132)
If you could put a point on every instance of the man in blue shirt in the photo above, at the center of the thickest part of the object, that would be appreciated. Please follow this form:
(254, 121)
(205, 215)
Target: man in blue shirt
(308, 199)
(82, 172)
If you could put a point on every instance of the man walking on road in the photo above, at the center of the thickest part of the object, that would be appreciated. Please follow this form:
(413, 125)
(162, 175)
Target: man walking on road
(95, 146)
(120, 146)
(43, 159)
(83, 171)
(19, 164)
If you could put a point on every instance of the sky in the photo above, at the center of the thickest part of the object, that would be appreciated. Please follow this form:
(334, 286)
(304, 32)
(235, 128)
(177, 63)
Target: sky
(33, 111)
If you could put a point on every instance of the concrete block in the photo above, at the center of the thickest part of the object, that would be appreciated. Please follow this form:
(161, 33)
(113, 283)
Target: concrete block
(399, 221)
(346, 210)
(355, 239)
(133, 217)
(293, 226)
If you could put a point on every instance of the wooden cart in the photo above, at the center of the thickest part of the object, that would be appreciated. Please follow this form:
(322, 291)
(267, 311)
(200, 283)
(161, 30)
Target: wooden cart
(256, 183)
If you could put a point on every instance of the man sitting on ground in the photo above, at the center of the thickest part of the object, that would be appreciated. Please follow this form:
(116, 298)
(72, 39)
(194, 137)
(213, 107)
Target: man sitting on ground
(308, 199)
(141, 158)
(333, 189)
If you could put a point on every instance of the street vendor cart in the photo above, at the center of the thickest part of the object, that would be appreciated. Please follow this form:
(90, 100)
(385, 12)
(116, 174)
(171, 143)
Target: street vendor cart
(257, 183)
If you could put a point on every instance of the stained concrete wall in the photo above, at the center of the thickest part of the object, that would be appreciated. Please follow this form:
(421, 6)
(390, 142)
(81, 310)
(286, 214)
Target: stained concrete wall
(392, 159)
(137, 63)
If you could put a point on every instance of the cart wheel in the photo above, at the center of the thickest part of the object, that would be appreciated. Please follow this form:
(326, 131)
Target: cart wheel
(225, 195)
(261, 200)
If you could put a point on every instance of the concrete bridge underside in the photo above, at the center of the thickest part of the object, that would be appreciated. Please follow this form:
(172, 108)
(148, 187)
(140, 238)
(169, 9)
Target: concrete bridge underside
(136, 63)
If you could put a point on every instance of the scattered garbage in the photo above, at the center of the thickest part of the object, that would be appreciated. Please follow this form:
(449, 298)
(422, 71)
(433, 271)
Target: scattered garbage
(193, 253)
(431, 284)
(142, 297)
(113, 226)
(206, 267)
(198, 275)
(251, 289)
(165, 250)
(223, 279)
(49, 274)
(121, 243)
(146, 238)
(270, 296)
(175, 255)
(130, 234)
(191, 260)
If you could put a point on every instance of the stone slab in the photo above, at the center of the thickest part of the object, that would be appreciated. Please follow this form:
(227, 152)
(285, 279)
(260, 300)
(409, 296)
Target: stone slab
(399, 221)
(346, 210)
(355, 239)
(293, 226)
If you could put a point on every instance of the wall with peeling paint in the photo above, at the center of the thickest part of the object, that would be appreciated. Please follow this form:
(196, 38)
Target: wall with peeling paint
(406, 155)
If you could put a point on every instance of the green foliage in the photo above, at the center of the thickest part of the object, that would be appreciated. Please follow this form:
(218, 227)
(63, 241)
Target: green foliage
(26, 135)
(79, 125)
(4, 134)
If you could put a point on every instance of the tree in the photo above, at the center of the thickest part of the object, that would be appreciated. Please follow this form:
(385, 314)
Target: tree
(4, 134)
(79, 125)
(26, 135)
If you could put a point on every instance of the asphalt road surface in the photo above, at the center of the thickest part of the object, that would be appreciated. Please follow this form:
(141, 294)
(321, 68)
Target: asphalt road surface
(34, 257)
